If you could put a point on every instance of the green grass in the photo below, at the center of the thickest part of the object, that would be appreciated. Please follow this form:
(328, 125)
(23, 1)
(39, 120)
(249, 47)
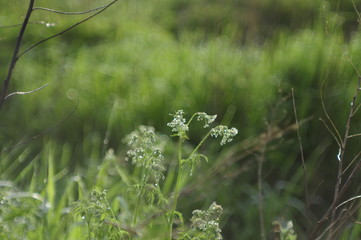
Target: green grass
(139, 61)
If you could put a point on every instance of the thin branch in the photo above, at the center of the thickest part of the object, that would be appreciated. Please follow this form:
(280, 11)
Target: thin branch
(358, 107)
(341, 220)
(342, 154)
(354, 67)
(340, 191)
(348, 200)
(354, 135)
(332, 133)
(15, 53)
(302, 158)
(23, 93)
(69, 13)
(328, 116)
(67, 29)
(358, 13)
(353, 160)
(333, 205)
(350, 177)
(324, 232)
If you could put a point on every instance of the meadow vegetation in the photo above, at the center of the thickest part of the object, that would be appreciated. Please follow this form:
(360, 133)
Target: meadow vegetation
(71, 163)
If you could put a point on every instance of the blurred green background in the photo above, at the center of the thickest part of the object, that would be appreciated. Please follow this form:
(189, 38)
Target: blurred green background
(141, 60)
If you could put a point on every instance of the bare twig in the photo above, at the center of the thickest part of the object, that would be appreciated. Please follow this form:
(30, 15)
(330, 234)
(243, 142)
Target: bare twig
(324, 232)
(334, 203)
(330, 131)
(358, 13)
(302, 159)
(339, 139)
(348, 200)
(23, 93)
(358, 107)
(339, 191)
(354, 135)
(15, 57)
(342, 153)
(15, 53)
(69, 13)
(353, 160)
(345, 215)
(67, 29)
(350, 178)
(355, 68)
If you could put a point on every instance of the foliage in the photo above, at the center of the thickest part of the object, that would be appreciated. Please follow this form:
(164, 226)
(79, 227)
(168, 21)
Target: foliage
(142, 60)
(283, 230)
(145, 153)
(204, 224)
(100, 219)
(20, 212)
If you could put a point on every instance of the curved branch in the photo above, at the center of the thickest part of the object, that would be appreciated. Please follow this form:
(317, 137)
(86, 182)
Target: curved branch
(339, 139)
(69, 13)
(23, 93)
(15, 53)
(69, 28)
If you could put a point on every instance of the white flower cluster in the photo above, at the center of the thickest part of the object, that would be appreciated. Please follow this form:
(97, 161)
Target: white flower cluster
(98, 196)
(208, 221)
(208, 119)
(178, 124)
(226, 133)
(145, 152)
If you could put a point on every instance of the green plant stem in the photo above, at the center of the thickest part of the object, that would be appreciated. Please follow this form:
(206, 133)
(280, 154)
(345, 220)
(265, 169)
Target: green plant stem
(177, 187)
(113, 215)
(89, 229)
(136, 211)
(179, 177)
(200, 143)
(191, 119)
(143, 183)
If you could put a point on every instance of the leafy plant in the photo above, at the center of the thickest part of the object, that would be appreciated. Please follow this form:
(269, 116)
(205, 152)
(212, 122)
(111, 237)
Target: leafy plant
(146, 155)
(100, 219)
(180, 126)
(204, 225)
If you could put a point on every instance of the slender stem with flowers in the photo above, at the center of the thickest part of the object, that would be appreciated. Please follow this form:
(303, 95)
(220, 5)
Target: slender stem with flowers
(180, 127)
(146, 154)
(177, 187)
